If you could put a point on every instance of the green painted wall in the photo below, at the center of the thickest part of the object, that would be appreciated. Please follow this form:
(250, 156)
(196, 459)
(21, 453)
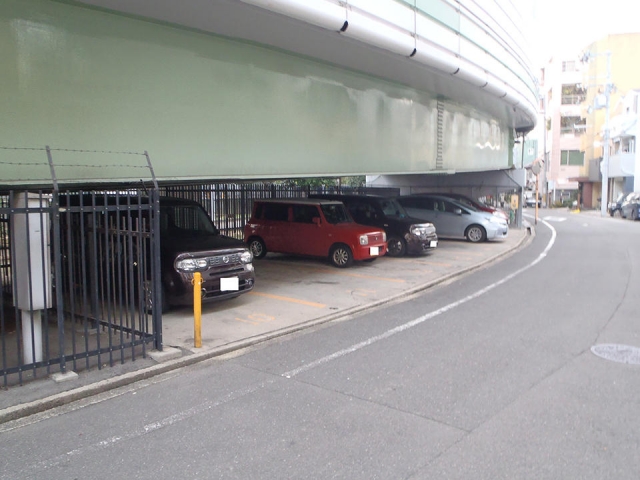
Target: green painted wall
(207, 107)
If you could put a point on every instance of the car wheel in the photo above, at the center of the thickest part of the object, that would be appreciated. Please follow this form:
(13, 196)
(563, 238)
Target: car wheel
(475, 234)
(341, 256)
(257, 247)
(396, 247)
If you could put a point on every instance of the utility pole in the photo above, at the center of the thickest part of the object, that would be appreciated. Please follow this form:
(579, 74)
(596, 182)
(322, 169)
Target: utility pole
(603, 101)
(604, 198)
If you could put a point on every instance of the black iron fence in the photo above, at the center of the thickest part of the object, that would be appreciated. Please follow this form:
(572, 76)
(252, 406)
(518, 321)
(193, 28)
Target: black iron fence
(80, 270)
(230, 205)
(78, 274)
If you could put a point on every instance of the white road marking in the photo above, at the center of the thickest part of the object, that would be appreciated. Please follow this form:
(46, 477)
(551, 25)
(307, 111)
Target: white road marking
(555, 219)
(190, 412)
(423, 318)
(151, 427)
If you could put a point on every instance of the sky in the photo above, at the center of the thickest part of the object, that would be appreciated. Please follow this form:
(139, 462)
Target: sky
(568, 26)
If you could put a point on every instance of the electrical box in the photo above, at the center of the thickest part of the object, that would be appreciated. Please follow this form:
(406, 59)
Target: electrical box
(30, 252)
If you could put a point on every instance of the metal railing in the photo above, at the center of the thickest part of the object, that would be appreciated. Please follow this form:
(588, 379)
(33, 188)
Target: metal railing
(76, 281)
(81, 296)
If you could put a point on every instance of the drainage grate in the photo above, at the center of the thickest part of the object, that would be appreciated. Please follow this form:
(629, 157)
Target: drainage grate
(618, 353)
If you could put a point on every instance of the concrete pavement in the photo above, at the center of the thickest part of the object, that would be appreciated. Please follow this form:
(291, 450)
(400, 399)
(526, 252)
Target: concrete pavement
(291, 294)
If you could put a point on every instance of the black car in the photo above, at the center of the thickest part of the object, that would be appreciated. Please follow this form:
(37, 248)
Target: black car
(615, 207)
(189, 243)
(405, 234)
(630, 207)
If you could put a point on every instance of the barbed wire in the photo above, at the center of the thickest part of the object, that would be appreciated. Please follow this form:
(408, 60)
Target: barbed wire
(74, 150)
(24, 163)
(44, 164)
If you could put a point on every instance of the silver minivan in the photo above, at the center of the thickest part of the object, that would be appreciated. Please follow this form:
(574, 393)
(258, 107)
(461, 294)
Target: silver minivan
(453, 219)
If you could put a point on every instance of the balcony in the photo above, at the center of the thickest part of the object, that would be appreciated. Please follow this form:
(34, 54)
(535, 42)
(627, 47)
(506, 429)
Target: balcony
(572, 99)
(622, 164)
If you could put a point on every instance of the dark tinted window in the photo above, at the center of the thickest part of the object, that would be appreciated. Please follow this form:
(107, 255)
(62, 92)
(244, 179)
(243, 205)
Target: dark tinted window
(185, 219)
(336, 213)
(305, 213)
(362, 212)
(275, 211)
(392, 208)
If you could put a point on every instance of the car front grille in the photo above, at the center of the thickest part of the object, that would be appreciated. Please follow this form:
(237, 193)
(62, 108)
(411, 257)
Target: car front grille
(375, 238)
(224, 260)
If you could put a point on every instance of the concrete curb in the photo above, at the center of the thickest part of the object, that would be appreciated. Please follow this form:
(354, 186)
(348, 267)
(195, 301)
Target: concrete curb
(23, 410)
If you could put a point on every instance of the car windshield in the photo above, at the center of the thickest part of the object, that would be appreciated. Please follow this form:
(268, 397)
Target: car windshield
(392, 208)
(466, 205)
(186, 220)
(467, 201)
(336, 213)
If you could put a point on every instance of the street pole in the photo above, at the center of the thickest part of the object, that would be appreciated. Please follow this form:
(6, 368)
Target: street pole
(544, 153)
(604, 196)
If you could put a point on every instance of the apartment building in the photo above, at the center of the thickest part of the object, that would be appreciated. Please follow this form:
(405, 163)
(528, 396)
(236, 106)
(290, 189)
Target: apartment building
(611, 60)
(624, 160)
(561, 128)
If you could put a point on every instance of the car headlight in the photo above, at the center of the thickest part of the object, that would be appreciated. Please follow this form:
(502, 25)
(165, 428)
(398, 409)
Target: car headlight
(421, 230)
(417, 230)
(191, 264)
(364, 240)
(246, 257)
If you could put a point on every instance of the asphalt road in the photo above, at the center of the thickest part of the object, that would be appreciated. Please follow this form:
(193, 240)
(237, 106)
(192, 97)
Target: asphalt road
(487, 377)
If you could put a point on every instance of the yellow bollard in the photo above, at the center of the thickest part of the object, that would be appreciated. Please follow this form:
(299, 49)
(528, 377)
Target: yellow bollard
(197, 310)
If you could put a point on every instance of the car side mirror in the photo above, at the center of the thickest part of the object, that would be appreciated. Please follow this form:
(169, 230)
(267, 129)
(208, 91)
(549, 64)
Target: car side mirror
(316, 220)
(457, 211)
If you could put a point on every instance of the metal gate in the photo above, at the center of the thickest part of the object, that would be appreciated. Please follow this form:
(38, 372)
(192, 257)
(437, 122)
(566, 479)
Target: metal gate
(80, 271)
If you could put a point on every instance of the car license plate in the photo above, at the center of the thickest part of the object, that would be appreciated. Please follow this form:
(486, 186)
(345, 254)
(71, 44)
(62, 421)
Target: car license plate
(229, 284)
(433, 243)
(373, 251)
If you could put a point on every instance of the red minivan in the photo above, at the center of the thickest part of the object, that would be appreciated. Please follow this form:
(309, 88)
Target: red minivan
(317, 228)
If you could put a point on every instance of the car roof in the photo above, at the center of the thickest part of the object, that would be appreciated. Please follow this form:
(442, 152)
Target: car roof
(301, 201)
(439, 197)
(430, 195)
(352, 196)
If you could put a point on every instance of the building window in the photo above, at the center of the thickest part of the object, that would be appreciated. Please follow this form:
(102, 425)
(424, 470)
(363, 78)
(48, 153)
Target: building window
(572, 94)
(572, 157)
(569, 66)
(572, 125)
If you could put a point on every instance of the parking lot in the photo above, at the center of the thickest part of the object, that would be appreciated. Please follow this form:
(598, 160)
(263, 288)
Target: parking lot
(292, 292)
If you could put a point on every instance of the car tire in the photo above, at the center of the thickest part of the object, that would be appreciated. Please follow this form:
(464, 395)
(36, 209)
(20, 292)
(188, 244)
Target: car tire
(257, 247)
(475, 234)
(340, 256)
(396, 247)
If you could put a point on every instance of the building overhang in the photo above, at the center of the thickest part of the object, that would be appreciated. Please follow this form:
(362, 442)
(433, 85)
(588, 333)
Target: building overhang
(372, 50)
